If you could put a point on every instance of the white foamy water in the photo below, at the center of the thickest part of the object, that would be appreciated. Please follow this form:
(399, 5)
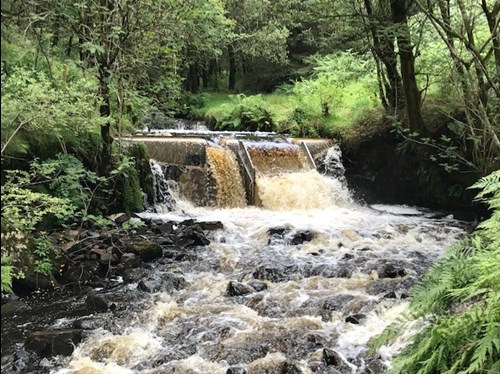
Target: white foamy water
(325, 273)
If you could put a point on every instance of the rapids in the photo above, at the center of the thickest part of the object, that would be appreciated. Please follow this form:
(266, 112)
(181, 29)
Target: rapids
(299, 283)
(333, 290)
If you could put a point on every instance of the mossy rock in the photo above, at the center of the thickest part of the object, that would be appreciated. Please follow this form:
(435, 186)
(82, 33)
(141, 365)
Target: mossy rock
(148, 250)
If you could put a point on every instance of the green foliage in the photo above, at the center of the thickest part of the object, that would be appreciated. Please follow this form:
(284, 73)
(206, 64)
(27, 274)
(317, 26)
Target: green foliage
(43, 253)
(133, 223)
(460, 297)
(248, 114)
(62, 114)
(59, 187)
(339, 94)
(7, 273)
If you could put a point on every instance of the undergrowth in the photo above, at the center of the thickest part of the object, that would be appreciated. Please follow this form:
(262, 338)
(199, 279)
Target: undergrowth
(459, 298)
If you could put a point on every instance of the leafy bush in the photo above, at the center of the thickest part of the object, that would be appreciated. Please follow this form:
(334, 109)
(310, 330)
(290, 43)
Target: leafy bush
(248, 114)
(460, 299)
(61, 116)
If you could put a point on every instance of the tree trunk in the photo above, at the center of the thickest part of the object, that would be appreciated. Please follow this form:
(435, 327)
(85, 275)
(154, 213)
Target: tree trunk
(232, 68)
(69, 46)
(384, 53)
(192, 83)
(105, 111)
(407, 61)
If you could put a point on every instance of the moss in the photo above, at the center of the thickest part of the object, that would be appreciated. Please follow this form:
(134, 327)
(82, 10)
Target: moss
(132, 194)
(146, 249)
(141, 159)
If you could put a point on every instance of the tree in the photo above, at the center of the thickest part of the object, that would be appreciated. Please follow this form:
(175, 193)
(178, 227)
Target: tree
(470, 32)
(258, 34)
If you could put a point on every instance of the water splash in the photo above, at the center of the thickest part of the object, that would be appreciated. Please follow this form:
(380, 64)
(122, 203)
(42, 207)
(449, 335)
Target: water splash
(302, 191)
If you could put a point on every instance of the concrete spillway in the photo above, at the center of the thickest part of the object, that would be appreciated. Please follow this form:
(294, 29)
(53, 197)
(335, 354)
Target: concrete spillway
(212, 168)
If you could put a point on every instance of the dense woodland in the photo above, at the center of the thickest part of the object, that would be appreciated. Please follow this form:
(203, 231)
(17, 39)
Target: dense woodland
(76, 75)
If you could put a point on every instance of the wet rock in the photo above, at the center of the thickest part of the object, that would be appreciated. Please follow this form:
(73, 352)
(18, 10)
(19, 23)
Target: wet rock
(319, 367)
(20, 360)
(165, 282)
(147, 250)
(191, 236)
(341, 270)
(391, 271)
(134, 275)
(274, 273)
(211, 225)
(163, 228)
(355, 318)
(337, 302)
(149, 286)
(172, 281)
(130, 260)
(302, 237)
(277, 235)
(96, 303)
(165, 241)
(102, 255)
(333, 358)
(239, 289)
(375, 365)
(390, 295)
(31, 283)
(12, 307)
(257, 285)
(53, 343)
(290, 368)
(236, 370)
(388, 285)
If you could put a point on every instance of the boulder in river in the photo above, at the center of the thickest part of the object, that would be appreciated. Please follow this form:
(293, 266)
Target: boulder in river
(238, 289)
(53, 342)
(147, 250)
(12, 307)
(333, 358)
(96, 303)
(391, 271)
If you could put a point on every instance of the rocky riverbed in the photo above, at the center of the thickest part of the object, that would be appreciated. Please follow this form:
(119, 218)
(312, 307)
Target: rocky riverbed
(232, 291)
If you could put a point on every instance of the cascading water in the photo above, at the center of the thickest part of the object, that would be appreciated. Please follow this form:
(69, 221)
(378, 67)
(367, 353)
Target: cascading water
(332, 165)
(297, 285)
(161, 189)
(229, 185)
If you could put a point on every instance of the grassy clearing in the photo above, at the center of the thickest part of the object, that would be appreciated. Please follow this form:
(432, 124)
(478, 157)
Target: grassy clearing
(293, 113)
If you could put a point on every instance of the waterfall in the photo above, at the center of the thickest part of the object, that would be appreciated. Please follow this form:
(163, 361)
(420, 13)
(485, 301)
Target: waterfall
(331, 164)
(229, 185)
(285, 181)
(162, 195)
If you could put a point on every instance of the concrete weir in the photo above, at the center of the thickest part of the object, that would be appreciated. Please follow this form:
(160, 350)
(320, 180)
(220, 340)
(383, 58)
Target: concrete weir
(201, 162)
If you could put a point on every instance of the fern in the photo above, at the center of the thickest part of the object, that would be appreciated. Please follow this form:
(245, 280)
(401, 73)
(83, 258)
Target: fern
(7, 270)
(460, 297)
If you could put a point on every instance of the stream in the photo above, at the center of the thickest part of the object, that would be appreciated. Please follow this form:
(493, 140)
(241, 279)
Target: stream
(299, 284)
